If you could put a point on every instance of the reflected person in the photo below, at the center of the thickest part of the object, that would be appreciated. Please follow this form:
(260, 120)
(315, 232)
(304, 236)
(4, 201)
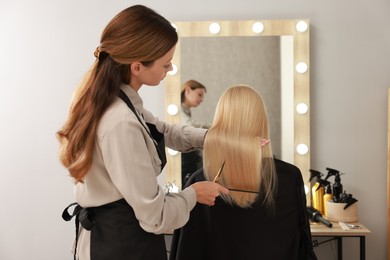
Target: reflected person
(192, 95)
(264, 214)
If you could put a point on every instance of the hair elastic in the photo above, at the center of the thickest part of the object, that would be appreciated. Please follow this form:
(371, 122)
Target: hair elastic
(100, 55)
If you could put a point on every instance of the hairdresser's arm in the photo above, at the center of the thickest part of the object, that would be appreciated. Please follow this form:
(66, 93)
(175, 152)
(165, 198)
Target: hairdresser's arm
(182, 138)
(131, 161)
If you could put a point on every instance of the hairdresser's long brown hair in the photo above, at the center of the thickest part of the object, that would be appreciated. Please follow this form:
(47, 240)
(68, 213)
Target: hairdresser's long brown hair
(135, 34)
(239, 124)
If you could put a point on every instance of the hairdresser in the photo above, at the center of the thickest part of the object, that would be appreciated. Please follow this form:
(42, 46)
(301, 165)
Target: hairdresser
(114, 149)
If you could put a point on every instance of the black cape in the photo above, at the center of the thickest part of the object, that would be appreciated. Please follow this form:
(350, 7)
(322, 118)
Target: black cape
(230, 232)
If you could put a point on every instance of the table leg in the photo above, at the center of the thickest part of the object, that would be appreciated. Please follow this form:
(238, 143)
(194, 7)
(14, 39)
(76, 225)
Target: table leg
(362, 248)
(340, 248)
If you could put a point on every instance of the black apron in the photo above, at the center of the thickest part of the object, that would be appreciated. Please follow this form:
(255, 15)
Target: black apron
(115, 230)
(116, 233)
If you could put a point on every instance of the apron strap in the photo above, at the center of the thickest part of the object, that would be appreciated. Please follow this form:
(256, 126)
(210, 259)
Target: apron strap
(81, 215)
(155, 135)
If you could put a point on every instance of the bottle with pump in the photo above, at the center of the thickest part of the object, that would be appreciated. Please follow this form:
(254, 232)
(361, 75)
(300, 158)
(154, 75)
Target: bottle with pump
(317, 191)
(337, 186)
(327, 197)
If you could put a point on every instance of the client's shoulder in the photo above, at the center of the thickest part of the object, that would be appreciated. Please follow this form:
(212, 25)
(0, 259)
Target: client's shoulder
(283, 164)
(284, 168)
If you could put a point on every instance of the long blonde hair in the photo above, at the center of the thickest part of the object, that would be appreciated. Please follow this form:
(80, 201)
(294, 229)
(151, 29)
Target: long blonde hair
(240, 123)
(135, 34)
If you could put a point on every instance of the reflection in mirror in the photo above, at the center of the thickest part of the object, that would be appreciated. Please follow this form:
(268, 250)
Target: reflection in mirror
(192, 94)
(256, 61)
(272, 56)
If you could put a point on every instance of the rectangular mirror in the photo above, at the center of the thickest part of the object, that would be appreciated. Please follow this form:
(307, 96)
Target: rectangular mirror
(388, 173)
(272, 56)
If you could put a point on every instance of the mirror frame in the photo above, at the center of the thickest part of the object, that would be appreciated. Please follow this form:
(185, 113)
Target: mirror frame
(244, 28)
(388, 172)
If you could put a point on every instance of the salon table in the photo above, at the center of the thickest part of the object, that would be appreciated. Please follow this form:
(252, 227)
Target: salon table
(336, 232)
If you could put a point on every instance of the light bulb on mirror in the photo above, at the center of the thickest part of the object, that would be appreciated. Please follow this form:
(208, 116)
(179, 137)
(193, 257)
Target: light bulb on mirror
(306, 189)
(302, 108)
(257, 27)
(214, 28)
(302, 149)
(301, 67)
(171, 187)
(174, 189)
(301, 26)
(173, 71)
(172, 109)
(172, 152)
(174, 26)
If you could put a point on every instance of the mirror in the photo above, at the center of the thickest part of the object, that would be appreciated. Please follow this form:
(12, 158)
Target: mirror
(388, 173)
(272, 55)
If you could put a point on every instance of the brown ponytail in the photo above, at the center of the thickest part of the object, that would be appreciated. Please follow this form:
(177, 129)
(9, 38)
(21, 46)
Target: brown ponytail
(135, 34)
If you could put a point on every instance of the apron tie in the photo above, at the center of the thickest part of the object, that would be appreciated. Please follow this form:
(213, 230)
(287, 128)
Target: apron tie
(81, 215)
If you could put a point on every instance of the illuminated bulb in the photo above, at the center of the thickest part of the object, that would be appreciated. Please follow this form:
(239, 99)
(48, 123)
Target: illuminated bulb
(302, 108)
(174, 188)
(171, 187)
(173, 71)
(301, 26)
(306, 189)
(301, 67)
(214, 28)
(172, 109)
(257, 27)
(302, 149)
(172, 152)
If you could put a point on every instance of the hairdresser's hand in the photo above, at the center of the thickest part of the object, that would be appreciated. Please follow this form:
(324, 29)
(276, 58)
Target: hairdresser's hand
(207, 192)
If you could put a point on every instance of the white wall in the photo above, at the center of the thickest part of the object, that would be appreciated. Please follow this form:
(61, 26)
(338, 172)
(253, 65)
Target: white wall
(46, 46)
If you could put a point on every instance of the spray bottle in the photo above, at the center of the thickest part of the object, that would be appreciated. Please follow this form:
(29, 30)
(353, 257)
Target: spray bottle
(317, 191)
(337, 186)
(327, 197)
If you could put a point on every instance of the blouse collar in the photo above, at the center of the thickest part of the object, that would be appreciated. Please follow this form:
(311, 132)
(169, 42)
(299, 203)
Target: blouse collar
(134, 97)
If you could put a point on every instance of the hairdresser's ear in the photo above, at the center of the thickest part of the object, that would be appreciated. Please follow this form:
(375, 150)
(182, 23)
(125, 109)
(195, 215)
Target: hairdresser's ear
(135, 68)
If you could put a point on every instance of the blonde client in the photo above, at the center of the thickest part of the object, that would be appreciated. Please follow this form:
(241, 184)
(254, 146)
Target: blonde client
(264, 214)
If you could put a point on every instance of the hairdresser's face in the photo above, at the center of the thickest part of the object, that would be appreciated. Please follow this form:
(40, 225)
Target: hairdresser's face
(193, 97)
(153, 74)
